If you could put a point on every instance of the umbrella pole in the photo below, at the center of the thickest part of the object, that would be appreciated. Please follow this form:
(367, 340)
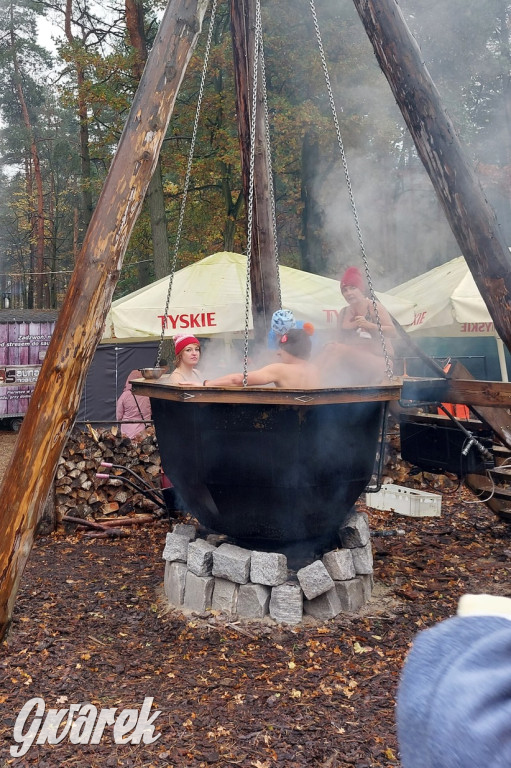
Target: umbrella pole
(502, 359)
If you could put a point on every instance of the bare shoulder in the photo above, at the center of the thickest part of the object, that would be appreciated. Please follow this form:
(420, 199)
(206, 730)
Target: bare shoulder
(176, 377)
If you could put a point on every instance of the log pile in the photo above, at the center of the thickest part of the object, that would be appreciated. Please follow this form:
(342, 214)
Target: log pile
(79, 494)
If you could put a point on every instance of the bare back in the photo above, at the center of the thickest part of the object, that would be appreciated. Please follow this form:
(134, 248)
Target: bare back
(296, 375)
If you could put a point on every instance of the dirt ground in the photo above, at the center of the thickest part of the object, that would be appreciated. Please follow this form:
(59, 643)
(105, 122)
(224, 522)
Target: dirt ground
(90, 625)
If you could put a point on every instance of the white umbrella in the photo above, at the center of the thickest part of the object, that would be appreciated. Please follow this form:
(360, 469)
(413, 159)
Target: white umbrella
(448, 303)
(208, 298)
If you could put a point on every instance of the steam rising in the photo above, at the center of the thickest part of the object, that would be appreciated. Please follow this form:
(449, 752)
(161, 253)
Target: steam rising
(466, 50)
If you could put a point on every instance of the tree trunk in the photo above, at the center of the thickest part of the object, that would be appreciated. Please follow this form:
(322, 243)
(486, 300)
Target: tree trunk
(228, 235)
(313, 258)
(38, 214)
(505, 52)
(155, 197)
(28, 295)
(51, 288)
(469, 214)
(263, 273)
(83, 121)
(155, 200)
(54, 404)
(232, 208)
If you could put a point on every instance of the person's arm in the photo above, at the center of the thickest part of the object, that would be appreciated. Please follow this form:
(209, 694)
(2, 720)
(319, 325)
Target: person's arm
(270, 374)
(266, 375)
(229, 380)
(119, 408)
(387, 326)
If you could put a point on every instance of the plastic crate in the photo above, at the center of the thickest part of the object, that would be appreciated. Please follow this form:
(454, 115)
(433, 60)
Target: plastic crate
(405, 501)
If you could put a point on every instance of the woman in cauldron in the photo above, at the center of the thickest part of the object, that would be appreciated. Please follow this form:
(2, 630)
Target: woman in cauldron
(357, 356)
(187, 353)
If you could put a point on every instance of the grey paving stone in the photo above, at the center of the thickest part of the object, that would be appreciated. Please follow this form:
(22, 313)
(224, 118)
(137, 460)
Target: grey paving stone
(314, 579)
(225, 596)
(185, 529)
(325, 606)
(174, 582)
(232, 563)
(339, 564)
(363, 559)
(367, 580)
(253, 601)
(176, 548)
(198, 592)
(269, 568)
(354, 531)
(200, 557)
(351, 594)
(286, 604)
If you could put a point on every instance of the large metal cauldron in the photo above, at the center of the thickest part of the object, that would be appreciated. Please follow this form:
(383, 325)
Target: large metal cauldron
(270, 468)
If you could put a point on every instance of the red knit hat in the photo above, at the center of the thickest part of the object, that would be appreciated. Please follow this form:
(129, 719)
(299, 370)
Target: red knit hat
(182, 340)
(353, 277)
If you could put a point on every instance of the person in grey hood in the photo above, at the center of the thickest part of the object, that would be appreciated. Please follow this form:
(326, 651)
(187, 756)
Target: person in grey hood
(454, 696)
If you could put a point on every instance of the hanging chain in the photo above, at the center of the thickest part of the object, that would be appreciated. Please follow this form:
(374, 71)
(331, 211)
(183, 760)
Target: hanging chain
(388, 362)
(250, 202)
(187, 180)
(270, 168)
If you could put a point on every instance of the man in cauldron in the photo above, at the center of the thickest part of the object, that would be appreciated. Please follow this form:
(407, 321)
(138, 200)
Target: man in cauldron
(292, 371)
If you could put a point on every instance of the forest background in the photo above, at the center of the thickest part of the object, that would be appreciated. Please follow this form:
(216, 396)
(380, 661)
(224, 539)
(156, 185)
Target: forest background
(68, 73)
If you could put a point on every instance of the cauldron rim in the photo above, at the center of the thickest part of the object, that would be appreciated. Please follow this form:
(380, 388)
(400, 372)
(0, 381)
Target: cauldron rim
(269, 395)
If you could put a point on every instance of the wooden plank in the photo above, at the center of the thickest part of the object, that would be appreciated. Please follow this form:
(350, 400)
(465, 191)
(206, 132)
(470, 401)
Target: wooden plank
(502, 474)
(56, 398)
(501, 452)
(482, 488)
(263, 395)
(480, 484)
(499, 419)
(471, 392)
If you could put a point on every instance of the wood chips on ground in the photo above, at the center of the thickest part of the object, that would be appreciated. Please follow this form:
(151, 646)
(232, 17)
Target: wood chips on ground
(90, 625)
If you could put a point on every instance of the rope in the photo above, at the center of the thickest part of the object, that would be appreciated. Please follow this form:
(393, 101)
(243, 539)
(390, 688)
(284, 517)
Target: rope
(187, 180)
(388, 362)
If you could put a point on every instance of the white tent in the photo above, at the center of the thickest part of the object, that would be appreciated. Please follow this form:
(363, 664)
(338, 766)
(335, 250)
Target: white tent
(448, 303)
(208, 298)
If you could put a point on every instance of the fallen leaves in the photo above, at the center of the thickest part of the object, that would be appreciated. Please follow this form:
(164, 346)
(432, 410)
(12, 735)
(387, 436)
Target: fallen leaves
(361, 649)
(234, 694)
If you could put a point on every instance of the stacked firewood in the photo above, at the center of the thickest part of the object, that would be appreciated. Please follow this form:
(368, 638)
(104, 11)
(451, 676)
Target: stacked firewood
(81, 495)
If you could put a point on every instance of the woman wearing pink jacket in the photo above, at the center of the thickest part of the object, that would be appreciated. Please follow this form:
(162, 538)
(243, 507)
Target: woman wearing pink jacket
(131, 408)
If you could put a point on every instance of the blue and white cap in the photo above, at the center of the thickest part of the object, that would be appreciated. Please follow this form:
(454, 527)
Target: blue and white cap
(282, 321)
